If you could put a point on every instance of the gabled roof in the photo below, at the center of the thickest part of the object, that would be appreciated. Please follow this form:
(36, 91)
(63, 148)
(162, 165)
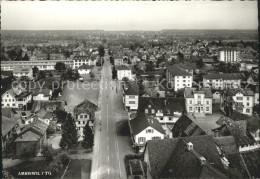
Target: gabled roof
(175, 70)
(44, 91)
(245, 92)
(227, 144)
(170, 158)
(8, 112)
(165, 104)
(142, 121)
(189, 92)
(85, 107)
(185, 126)
(37, 105)
(224, 76)
(7, 125)
(132, 89)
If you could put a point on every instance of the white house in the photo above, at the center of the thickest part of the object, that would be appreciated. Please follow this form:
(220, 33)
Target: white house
(123, 71)
(222, 81)
(16, 98)
(198, 101)
(84, 69)
(216, 97)
(41, 94)
(84, 113)
(20, 71)
(131, 96)
(228, 55)
(242, 100)
(83, 60)
(178, 77)
(144, 128)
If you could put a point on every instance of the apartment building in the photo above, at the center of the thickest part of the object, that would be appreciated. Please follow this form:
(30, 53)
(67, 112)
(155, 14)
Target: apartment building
(123, 71)
(198, 101)
(228, 55)
(178, 77)
(23, 71)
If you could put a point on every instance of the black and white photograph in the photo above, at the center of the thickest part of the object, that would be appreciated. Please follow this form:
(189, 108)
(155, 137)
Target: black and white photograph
(130, 89)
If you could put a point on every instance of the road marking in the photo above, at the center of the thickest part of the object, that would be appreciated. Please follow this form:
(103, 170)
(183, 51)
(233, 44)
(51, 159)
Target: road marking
(107, 117)
(120, 174)
(108, 147)
(108, 158)
(107, 138)
(108, 171)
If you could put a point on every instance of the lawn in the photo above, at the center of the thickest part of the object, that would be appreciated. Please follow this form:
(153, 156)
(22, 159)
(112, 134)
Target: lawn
(32, 166)
(78, 169)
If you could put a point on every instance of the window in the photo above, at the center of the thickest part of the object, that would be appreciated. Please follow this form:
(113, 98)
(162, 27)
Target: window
(207, 102)
(131, 97)
(5, 100)
(156, 138)
(199, 96)
(239, 98)
(190, 101)
(13, 99)
(184, 81)
(81, 116)
(153, 111)
(247, 110)
(141, 139)
(247, 98)
(13, 104)
(8, 105)
(149, 106)
(131, 102)
(190, 108)
(78, 122)
(199, 102)
(149, 131)
(7, 96)
(161, 118)
(86, 116)
(9, 100)
(207, 108)
(247, 104)
(170, 118)
(146, 111)
(83, 122)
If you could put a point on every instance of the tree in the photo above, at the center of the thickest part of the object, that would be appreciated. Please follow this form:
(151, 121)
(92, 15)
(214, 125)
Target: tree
(26, 58)
(55, 167)
(61, 115)
(64, 158)
(28, 152)
(101, 51)
(35, 71)
(92, 75)
(199, 63)
(48, 152)
(69, 136)
(60, 66)
(180, 93)
(149, 66)
(114, 73)
(125, 79)
(42, 75)
(88, 137)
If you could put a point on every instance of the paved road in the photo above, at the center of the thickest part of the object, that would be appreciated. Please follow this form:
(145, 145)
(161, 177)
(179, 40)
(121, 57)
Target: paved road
(107, 161)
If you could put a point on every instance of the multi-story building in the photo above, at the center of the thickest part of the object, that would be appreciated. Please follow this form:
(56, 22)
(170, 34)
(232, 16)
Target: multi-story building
(223, 81)
(16, 98)
(178, 77)
(23, 71)
(228, 55)
(131, 96)
(83, 60)
(123, 71)
(198, 101)
(85, 113)
(40, 64)
(242, 100)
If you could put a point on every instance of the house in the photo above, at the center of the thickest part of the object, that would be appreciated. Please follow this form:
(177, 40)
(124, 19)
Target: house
(32, 135)
(49, 106)
(252, 79)
(178, 77)
(123, 71)
(143, 128)
(186, 126)
(84, 69)
(216, 96)
(242, 100)
(85, 114)
(131, 96)
(23, 72)
(165, 109)
(16, 98)
(9, 127)
(118, 61)
(223, 81)
(228, 55)
(198, 101)
(82, 60)
(247, 65)
(184, 157)
(245, 130)
(43, 94)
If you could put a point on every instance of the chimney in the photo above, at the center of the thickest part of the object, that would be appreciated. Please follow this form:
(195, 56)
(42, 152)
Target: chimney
(202, 160)
(190, 146)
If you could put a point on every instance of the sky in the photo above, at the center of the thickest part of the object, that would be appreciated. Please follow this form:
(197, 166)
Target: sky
(135, 15)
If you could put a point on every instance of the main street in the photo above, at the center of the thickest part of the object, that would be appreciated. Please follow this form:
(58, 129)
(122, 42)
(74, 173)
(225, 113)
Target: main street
(107, 162)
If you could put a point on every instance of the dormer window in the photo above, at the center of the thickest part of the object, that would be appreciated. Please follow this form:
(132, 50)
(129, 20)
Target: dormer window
(149, 106)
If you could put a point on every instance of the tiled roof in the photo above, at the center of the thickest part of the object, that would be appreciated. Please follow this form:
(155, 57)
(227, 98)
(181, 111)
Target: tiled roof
(227, 144)
(189, 92)
(7, 125)
(8, 112)
(19, 69)
(164, 104)
(170, 158)
(185, 126)
(37, 105)
(85, 107)
(224, 76)
(132, 89)
(245, 92)
(175, 70)
(44, 91)
(142, 121)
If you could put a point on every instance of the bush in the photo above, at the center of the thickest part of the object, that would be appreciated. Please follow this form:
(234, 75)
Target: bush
(48, 152)
(55, 167)
(64, 158)
(51, 129)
